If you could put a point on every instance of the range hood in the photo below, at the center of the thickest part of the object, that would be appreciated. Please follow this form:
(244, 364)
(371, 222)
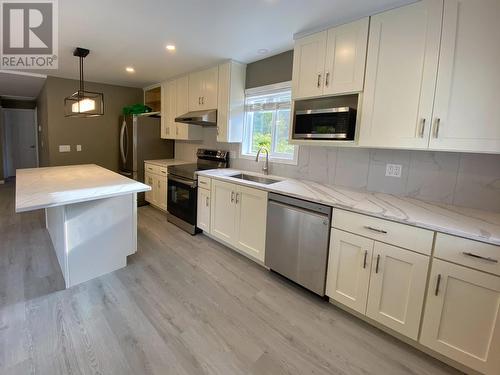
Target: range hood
(202, 118)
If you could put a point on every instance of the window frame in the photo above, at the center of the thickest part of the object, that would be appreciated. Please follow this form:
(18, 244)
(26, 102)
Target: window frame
(273, 157)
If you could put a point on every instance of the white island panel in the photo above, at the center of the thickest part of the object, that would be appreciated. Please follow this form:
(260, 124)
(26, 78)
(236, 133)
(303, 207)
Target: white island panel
(91, 216)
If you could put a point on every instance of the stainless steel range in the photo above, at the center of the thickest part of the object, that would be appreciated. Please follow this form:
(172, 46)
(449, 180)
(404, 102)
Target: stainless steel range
(182, 193)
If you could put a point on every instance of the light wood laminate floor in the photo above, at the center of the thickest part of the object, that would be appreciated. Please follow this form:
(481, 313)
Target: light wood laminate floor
(183, 305)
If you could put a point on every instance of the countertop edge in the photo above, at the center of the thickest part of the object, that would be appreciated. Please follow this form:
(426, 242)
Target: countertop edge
(79, 200)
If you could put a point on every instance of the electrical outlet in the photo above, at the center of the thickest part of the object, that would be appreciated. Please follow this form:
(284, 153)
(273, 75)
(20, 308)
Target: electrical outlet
(393, 170)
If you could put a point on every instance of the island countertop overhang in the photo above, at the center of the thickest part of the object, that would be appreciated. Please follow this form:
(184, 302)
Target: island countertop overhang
(38, 188)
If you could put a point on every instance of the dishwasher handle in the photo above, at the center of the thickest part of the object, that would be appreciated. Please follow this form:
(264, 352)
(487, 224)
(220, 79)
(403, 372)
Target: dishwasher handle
(300, 204)
(325, 217)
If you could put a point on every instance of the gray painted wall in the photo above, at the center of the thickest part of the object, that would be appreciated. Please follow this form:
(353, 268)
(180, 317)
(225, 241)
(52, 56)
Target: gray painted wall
(98, 136)
(274, 69)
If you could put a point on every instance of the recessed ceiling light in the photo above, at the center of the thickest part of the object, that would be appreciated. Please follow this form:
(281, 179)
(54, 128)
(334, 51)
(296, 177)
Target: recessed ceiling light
(130, 69)
(170, 47)
(262, 51)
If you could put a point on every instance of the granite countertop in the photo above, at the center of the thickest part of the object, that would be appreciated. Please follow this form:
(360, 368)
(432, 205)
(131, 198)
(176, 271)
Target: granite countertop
(57, 186)
(460, 221)
(166, 162)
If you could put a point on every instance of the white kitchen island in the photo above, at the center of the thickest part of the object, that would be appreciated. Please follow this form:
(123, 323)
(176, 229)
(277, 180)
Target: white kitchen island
(91, 216)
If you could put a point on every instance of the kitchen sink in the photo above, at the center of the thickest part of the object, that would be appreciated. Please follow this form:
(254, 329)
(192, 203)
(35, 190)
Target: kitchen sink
(258, 179)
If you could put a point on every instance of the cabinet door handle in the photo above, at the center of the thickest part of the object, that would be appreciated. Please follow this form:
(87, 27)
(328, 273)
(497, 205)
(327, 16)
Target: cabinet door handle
(207, 203)
(378, 263)
(422, 128)
(232, 197)
(237, 198)
(438, 283)
(327, 79)
(436, 127)
(488, 259)
(375, 229)
(364, 260)
(319, 80)
(202, 100)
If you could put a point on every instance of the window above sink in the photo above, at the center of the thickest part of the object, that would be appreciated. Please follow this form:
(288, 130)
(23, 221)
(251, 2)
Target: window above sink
(267, 123)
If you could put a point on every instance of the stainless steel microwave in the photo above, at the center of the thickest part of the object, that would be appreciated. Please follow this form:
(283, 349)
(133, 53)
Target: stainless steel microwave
(328, 123)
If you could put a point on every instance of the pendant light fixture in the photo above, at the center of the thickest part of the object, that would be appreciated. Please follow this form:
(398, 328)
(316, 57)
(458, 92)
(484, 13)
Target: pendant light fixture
(83, 103)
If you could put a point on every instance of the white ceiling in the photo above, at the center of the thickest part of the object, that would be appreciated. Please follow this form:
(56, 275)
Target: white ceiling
(135, 33)
(20, 85)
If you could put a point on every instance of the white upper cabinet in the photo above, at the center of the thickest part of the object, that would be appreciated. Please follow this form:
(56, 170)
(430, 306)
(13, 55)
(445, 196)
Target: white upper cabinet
(330, 62)
(184, 131)
(466, 111)
(174, 104)
(169, 92)
(231, 102)
(309, 65)
(346, 58)
(203, 87)
(401, 71)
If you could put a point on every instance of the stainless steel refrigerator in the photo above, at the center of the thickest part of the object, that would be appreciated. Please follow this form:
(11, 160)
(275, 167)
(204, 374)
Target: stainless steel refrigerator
(139, 141)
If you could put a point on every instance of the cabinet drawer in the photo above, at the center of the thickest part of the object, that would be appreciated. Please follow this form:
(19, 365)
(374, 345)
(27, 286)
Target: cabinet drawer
(402, 235)
(204, 182)
(469, 253)
(150, 168)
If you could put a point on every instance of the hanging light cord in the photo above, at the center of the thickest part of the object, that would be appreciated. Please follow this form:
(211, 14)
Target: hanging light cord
(81, 75)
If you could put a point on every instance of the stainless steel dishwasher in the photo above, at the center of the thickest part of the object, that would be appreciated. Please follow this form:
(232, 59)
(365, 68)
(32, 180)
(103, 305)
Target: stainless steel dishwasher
(297, 240)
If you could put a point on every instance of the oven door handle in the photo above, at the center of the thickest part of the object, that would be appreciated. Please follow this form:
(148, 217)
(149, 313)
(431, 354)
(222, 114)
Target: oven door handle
(184, 181)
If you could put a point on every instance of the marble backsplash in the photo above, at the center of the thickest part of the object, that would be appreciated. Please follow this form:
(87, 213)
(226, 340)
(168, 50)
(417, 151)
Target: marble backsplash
(462, 179)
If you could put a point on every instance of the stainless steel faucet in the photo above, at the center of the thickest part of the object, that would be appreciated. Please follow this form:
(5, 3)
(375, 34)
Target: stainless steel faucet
(265, 168)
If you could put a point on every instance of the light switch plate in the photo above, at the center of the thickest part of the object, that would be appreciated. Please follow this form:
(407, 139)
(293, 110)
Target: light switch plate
(78, 148)
(64, 148)
(393, 170)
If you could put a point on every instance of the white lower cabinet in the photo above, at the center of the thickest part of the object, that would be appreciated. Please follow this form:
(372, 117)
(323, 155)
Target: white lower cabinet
(349, 267)
(397, 288)
(238, 217)
(384, 282)
(462, 316)
(157, 196)
(149, 180)
(203, 210)
(223, 211)
(251, 218)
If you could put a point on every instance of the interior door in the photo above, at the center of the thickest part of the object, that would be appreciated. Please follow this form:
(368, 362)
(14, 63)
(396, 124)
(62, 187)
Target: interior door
(397, 288)
(349, 266)
(20, 140)
(401, 69)
(466, 110)
(462, 316)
